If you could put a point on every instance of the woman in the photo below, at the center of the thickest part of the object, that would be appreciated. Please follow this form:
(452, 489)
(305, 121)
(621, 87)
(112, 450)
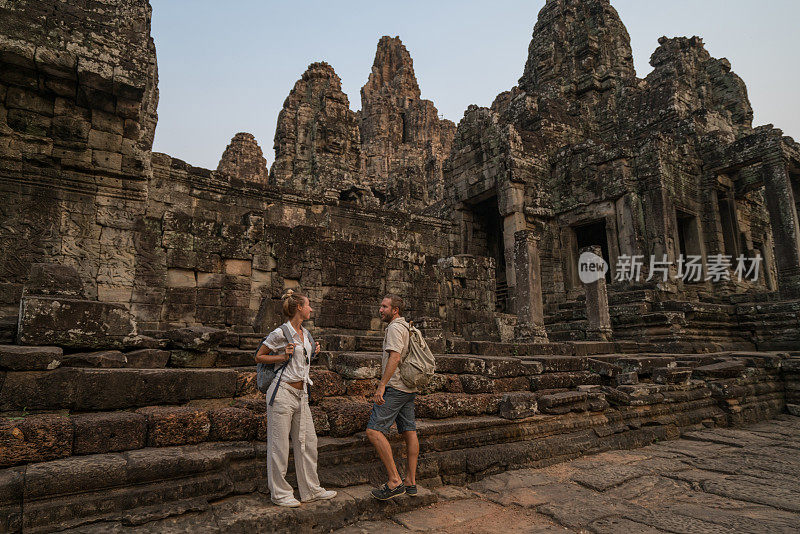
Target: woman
(288, 412)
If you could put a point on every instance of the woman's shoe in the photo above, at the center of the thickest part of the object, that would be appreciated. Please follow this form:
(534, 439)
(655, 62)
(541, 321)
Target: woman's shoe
(291, 502)
(384, 493)
(324, 496)
(411, 490)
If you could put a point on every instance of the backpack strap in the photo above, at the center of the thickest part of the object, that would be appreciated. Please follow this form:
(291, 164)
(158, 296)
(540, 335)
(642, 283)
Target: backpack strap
(282, 368)
(313, 355)
(278, 384)
(313, 344)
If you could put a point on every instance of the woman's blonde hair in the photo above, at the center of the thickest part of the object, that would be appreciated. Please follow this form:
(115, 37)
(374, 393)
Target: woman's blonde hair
(292, 300)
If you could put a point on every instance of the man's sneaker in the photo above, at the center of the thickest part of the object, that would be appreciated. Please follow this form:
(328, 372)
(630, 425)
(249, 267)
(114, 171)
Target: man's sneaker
(324, 496)
(384, 493)
(291, 502)
(411, 490)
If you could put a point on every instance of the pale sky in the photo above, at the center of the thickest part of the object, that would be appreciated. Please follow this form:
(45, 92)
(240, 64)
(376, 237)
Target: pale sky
(227, 67)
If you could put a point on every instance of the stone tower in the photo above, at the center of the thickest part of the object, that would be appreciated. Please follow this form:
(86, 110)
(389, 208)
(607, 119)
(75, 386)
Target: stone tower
(317, 145)
(403, 141)
(244, 160)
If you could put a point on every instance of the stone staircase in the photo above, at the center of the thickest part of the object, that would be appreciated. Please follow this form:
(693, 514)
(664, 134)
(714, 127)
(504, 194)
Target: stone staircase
(111, 440)
(672, 325)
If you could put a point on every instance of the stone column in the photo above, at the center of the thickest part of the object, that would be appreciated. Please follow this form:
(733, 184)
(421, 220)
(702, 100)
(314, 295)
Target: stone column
(530, 308)
(597, 304)
(784, 221)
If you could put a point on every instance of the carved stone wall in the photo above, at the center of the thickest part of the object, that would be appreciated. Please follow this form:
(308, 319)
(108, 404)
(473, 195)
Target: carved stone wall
(78, 96)
(220, 252)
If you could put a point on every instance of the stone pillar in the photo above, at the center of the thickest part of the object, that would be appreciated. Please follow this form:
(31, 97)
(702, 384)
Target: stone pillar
(784, 222)
(512, 223)
(597, 304)
(530, 308)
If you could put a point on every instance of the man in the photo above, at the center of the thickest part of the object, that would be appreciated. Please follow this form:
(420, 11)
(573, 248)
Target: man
(394, 403)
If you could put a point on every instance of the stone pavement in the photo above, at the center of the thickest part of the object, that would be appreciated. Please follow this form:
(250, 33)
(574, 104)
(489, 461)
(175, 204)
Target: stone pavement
(720, 480)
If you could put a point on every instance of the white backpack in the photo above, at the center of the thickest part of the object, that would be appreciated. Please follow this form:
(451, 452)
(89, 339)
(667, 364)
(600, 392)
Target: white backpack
(419, 365)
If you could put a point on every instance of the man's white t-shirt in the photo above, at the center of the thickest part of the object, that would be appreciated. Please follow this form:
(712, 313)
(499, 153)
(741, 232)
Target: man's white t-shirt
(396, 339)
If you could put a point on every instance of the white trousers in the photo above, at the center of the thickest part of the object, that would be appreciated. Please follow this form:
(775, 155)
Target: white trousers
(289, 416)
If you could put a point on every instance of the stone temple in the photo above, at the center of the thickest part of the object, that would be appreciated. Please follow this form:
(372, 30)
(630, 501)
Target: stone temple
(134, 286)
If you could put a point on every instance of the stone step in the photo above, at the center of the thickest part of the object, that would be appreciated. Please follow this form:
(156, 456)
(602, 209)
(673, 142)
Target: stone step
(8, 329)
(80, 489)
(254, 512)
(86, 389)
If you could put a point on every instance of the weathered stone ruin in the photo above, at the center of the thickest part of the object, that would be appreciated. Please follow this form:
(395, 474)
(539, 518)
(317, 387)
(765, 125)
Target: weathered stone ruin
(244, 160)
(134, 287)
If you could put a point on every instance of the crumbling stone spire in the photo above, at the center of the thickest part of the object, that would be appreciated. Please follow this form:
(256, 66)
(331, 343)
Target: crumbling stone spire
(577, 46)
(244, 160)
(392, 73)
(402, 138)
(697, 83)
(317, 145)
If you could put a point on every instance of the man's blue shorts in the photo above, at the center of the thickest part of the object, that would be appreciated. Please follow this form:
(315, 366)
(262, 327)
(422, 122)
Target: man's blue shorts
(398, 407)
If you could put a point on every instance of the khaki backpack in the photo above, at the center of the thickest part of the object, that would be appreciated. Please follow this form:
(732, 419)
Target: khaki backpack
(419, 365)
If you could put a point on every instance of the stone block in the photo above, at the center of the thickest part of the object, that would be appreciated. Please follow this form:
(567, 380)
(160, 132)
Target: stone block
(675, 375)
(326, 384)
(175, 425)
(444, 405)
(626, 379)
(147, 358)
(560, 364)
(563, 380)
(644, 365)
(565, 402)
(459, 364)
(235, 358)
(97, 433)
(233, 424)
(199, 338)
(497, 367)
(34, 438)
(52, 279)
(106, 141)
(192, 358)
(518, 405)
(107, 359)
(356, 365)
(237, 267)
(246, 383)
(107, 160)
(321, 423)
(602, 368)
(517, 383)
(726, 369)
(362, 388)
(39, 390)
(79, 324)
(346, 416)
(477, 384)
(17, 358)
